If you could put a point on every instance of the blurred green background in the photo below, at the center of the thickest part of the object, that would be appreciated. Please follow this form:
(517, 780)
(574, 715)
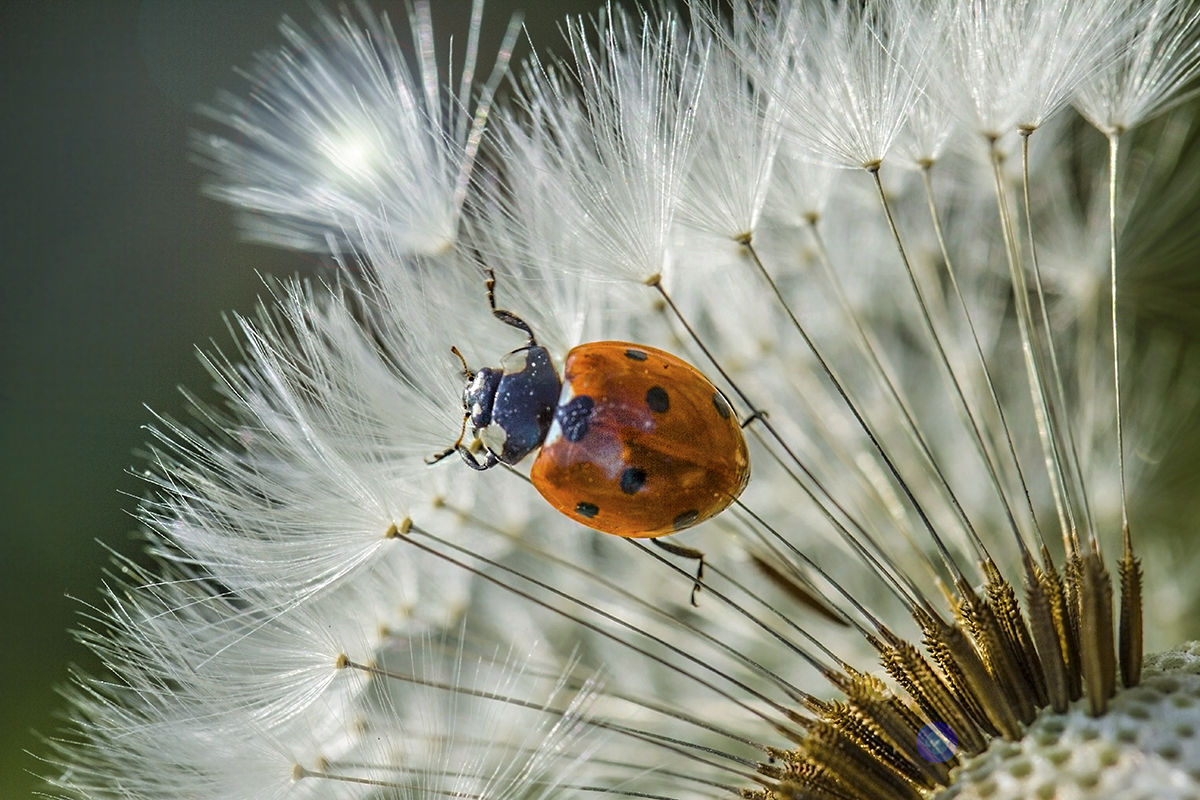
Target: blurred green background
(115, 267)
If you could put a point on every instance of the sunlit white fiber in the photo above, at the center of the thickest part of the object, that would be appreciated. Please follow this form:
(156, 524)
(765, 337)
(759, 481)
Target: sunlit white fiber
(1159, 58)
(344, 132)
(847, 75)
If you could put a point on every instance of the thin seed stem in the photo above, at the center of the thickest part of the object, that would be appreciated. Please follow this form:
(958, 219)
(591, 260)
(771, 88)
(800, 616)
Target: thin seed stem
(674, 745)
(597, 628)
(1032, 370)
(893, 577)
(790, 645)
(1057, 405)
(1113, 140)
(929, 327)
(636, 600)
(764, 421)
(870, 348)
(862, 422)
(989, 457)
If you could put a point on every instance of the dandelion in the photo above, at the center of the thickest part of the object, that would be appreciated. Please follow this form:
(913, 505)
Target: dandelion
(817, 205)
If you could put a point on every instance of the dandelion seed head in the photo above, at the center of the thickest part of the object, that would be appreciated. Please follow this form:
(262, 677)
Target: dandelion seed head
(739, 127)
(621, 146)
(1018, 63)
(921, 359)
(800, 187)
(313, 159)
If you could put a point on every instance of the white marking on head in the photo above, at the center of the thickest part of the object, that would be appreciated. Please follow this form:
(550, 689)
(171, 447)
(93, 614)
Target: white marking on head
(493, 438)
(515, 362)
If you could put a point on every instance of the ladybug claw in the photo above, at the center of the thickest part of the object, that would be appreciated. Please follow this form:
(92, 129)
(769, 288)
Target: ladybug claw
(436, 457)
(488, 462)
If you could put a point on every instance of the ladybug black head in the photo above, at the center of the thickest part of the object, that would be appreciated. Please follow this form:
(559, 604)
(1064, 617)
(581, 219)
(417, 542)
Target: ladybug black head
(511, 408)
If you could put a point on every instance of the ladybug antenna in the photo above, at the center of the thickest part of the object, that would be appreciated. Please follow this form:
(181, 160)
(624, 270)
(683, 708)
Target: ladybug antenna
(454, 448)
(469, 375)
(507, 317)
(466, 370)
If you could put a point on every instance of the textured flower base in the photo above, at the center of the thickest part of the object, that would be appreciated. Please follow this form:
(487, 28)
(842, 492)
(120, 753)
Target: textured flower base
(1146, 748)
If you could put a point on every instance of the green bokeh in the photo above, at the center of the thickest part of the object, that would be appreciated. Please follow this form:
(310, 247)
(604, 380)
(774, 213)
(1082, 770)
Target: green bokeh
(114, 267)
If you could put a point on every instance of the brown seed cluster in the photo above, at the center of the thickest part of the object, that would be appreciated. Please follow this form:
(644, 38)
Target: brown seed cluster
(986, 669)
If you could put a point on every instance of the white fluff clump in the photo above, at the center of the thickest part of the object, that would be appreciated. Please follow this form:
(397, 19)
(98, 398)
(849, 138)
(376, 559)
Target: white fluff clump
(314, 156)
(333, 611)
(618, 137)
(1159, 57)
(848, 75)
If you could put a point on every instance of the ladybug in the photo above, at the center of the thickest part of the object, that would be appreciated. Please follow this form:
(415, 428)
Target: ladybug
(632, 441)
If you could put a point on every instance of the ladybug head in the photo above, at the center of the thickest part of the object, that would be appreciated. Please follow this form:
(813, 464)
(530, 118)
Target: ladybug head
(478, 396)
(510, 409)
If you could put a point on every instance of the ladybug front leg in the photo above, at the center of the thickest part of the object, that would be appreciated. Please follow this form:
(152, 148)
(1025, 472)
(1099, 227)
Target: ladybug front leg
(489, 460)
(505, 316)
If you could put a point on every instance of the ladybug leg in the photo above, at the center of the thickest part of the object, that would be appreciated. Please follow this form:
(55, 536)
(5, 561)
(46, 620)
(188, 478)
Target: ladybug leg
(488, 462)
(685, 552)
(758, 414)
(507, 317)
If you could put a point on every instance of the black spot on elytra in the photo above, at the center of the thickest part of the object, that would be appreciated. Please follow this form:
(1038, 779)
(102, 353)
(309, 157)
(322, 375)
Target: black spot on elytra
(588, 510)
(686, 520)
(574, 416)
(632, 479)
(636, 355)
(721, 405)
(657, 399)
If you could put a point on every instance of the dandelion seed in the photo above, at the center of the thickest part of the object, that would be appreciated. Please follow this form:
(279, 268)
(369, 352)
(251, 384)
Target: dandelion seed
(315, 159)
(844, 73)
(621, 146)
(1015, 64)
(913, 596)
(738, 130)
(1150, 69)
